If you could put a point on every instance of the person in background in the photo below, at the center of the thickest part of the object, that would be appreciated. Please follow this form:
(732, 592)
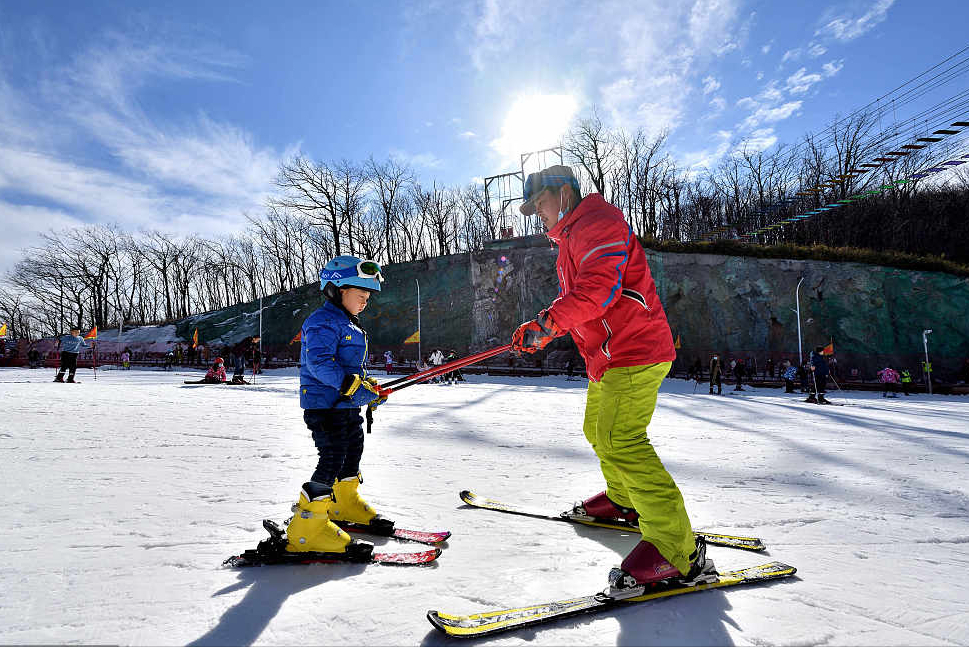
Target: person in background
(388, 361)
(818, 381)
(789, 375)
(126, 360)
(607, 301)
(33, 357)
(906, 377)
(245, 349)
(716, 375)
(889, 378)
(70, 347)
(216, 372)
(437, 358)
(739, 370)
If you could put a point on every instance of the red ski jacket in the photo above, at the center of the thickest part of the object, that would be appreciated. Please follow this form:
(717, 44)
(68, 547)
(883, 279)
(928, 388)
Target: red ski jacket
(607, 298)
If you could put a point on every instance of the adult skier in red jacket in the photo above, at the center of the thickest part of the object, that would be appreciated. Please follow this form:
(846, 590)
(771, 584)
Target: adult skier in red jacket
(607, 301)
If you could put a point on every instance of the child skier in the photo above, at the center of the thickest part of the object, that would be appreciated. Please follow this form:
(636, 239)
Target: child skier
(216, 372)
(333, 386)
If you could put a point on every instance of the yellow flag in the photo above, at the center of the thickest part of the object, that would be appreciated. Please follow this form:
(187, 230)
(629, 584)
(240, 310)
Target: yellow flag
(195, 338)
(413, 339)
(3, 330)
(676, 344)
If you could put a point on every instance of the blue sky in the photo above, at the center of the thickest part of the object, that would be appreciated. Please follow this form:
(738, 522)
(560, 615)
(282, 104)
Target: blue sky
(176, 115)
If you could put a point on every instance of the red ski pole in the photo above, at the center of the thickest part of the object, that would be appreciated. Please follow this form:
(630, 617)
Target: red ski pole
(417, 378)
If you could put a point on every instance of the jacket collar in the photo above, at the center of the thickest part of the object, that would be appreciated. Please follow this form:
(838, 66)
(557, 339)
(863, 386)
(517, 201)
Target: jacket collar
(586, 205)
(330, 303)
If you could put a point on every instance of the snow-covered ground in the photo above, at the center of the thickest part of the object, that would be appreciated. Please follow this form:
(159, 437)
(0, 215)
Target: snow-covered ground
(122, 496)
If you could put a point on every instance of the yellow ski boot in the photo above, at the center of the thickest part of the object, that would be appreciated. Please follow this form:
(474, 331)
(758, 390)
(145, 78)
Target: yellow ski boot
(350, 510)
(310, 529)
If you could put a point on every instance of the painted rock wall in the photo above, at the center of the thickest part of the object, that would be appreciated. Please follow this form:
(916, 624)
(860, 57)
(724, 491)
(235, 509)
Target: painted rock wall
(736, 306)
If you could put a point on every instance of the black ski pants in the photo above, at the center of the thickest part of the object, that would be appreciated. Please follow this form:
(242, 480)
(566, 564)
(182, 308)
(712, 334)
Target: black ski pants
(68, 363)
(338, 435)
(240, 366)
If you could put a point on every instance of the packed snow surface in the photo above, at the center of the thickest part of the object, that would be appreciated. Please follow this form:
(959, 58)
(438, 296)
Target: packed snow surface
(123, 495)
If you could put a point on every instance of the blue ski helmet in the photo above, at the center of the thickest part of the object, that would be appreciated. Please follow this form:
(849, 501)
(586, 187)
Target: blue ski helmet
(351, 272)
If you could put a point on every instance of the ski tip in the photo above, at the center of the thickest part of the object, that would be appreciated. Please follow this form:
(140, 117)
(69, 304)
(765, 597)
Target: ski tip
(467, 496)
(435, 621)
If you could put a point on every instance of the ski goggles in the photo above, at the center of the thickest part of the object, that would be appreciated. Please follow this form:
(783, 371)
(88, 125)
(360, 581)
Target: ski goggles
(363, 270)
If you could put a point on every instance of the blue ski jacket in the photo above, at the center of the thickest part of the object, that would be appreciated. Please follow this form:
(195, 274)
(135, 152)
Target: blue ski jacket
(820, 365)
(333, 347)
(72, 344)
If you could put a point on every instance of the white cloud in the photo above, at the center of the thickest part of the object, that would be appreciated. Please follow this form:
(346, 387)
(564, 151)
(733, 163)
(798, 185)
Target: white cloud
(22, 226)
(639, 64)
(760, 76)
(846, 27)
(467, 134)
(767, 114)
(815, 50)
(800, 82)
(791, 55)
(759, 140)
(833, 67)
(423, 160)
(710, 84)
(496, 30)
(695, 161)
(765, 49)
(85, 151)
(718, 104)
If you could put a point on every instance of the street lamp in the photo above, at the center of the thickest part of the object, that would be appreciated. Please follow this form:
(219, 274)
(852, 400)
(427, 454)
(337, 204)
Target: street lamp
(797, 300)
(928, 367)
(419, 356)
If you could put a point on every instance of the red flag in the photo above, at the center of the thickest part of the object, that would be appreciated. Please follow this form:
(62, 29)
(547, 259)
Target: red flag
(829, 349)
(298, 337)
(195, 338)
(93, 334)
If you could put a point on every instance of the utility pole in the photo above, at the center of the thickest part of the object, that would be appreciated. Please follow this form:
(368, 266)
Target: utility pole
(928, 367)
(419, 356)
(797, 300)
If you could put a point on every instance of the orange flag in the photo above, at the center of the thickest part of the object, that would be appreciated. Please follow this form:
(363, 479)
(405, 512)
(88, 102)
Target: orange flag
(676, 344)
(195, 338)
(829, 349)
(413, 339)
(298, 337)
(93, 334)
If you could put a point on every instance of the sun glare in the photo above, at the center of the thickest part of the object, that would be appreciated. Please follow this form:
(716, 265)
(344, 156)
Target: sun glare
(535, 122)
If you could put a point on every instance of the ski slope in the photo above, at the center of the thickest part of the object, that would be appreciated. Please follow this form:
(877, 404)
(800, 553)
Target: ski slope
(122, 496)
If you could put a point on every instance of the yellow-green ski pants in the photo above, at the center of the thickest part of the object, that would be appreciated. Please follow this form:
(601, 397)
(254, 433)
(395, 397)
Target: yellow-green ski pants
(618, 409)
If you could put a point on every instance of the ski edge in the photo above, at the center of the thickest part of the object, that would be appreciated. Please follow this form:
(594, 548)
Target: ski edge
(404, 534)
(456, 625)
(390, 559)
(754, 544)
